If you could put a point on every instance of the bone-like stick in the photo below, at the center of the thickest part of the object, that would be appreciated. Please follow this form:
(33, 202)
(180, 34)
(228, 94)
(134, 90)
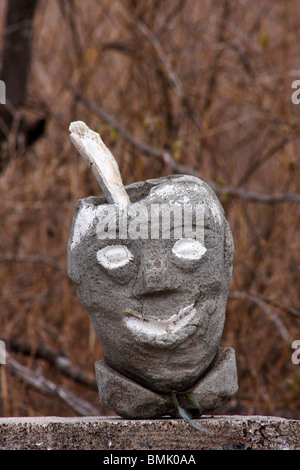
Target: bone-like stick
(104, 166)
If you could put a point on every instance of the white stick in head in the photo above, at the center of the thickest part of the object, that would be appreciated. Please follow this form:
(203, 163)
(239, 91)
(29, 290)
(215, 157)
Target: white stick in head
(99, 158)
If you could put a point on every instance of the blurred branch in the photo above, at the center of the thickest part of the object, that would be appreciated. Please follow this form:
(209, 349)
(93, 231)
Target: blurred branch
(144, 148)
(56, 358)
(252, 196)
(170, 72)
(40, 259)
(245, 295)
(267, 154)
(176, 10)
(68, 13)
(261, 303)
(152, 38)
(280, 306)
(3, 392)
(15, 69)
(178, 168)
(39, 382)
(213, 79)
(17, 48)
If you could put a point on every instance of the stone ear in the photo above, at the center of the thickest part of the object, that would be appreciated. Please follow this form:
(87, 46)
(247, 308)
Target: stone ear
(73, 271)
(228, 250)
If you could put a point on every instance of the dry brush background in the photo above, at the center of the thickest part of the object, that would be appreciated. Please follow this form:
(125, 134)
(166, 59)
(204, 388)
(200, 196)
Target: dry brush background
(178, 86)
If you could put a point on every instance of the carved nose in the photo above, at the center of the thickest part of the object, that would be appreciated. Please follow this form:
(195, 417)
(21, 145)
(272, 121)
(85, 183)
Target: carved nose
(154, 276)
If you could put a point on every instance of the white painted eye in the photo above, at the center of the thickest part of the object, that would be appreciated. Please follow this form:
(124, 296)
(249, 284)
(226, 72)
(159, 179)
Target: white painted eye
(189, 249)
(114, 256)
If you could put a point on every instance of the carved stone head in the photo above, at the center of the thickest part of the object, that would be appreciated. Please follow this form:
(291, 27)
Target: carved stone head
(154, 278)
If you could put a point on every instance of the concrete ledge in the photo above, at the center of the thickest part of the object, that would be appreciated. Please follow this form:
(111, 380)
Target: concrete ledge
(114, 433)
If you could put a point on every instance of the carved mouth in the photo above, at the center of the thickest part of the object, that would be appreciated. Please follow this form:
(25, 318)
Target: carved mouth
(152, 329)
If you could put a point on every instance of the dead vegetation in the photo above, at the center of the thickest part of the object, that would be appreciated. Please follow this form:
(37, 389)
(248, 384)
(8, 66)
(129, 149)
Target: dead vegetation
(183, 86)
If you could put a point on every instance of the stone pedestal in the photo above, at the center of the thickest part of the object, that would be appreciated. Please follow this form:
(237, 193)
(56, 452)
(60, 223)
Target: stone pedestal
(130, 399)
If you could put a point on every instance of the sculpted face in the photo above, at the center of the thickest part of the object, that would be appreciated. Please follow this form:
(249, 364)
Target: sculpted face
(156, 304)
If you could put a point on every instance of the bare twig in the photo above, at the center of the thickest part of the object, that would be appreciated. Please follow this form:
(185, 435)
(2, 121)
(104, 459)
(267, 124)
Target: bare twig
(284, 308)
(144, 148)
(212, 81)
(44, 385)
(171, 73)
(168, 159)
(56, 358)
(267, 154)
(3, 392)
(29, 258)
(68, 13)
(252, 196)
(152, 38)
(261, 303)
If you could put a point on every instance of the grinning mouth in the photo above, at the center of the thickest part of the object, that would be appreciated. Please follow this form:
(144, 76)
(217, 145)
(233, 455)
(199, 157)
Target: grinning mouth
(152, 329)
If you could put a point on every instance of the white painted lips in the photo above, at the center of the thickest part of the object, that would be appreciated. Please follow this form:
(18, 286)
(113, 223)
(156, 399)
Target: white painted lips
(157, 328)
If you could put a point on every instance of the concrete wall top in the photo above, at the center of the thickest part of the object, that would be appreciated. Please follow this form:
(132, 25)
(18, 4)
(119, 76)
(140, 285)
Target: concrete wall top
(114, 433)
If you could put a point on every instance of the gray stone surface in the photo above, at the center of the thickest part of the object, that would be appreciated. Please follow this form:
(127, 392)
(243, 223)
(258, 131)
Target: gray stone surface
(159, 317)
(97, 433)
